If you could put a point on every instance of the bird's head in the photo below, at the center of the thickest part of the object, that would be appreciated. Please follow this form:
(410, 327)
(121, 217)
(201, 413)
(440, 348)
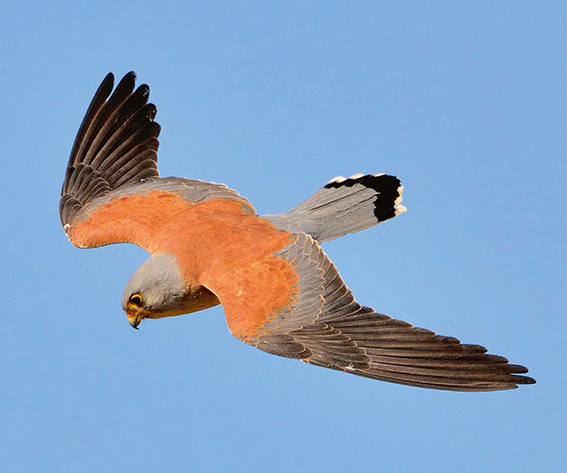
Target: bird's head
(157, 289)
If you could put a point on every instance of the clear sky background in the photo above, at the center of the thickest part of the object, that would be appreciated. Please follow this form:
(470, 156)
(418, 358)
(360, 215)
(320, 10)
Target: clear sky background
(465, 101)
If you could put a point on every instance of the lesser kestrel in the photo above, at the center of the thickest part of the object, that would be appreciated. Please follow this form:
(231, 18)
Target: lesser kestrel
(279, 290)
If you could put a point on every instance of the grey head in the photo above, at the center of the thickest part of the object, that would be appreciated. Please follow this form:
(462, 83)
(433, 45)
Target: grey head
(157, 289)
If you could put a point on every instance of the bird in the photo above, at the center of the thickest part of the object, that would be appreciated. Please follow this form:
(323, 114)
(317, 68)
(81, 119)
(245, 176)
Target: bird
(279, 290)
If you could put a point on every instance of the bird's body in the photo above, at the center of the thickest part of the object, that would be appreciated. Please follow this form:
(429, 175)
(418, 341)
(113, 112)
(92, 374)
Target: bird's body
(278, 289)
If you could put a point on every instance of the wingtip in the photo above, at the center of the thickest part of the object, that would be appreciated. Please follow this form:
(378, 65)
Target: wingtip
(524, 380)
(108, 77)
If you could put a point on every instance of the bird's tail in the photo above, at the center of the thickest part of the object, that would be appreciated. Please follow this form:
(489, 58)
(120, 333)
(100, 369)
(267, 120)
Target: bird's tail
(344, 205)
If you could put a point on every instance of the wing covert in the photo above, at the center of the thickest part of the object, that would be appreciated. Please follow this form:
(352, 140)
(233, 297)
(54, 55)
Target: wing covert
(325, 326)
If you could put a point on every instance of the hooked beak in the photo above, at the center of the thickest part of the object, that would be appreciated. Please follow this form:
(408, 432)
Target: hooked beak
(134, 319)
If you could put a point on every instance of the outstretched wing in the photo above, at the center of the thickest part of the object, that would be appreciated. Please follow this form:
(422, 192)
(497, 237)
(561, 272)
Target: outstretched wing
(321, 323)
(112, 192)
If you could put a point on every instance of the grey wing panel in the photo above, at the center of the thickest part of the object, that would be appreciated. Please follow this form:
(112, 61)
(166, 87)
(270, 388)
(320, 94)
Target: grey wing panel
(196, 191)
(327, 327)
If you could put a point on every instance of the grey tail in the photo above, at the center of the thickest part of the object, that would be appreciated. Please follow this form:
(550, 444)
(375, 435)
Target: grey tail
(344, 205)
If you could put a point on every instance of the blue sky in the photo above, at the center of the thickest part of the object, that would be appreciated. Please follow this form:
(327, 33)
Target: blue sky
(464, 101)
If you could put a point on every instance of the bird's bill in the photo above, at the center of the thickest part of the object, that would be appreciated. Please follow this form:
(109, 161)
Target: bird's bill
(134, 318)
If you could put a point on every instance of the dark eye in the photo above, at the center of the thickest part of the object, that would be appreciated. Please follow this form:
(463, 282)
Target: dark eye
(136, 299)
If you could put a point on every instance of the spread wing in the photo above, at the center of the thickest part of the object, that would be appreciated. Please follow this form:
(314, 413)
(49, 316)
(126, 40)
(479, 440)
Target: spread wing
(321, 323)
(112, 192)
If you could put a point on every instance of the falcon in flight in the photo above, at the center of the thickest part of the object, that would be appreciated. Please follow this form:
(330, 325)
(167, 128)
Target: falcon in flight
(279, 290)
